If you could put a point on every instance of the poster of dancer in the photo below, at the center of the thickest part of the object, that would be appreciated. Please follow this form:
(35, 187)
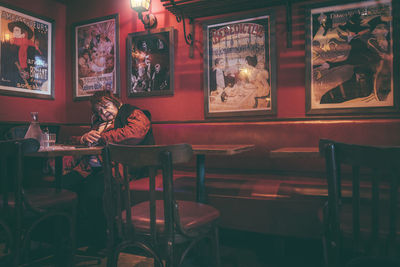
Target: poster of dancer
(26, 54)
(96, 56)
(150, 62)
(239, 66)
(349, 58)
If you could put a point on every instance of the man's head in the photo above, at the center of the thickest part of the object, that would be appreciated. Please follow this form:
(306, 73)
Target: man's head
(86, 54)
(144, 46)
(353, 25)
(108, 86)
(219, 63)
(20, 29)
(378, 26)
(252, 60)
(157, 68)
(105, 105)
(110, 62)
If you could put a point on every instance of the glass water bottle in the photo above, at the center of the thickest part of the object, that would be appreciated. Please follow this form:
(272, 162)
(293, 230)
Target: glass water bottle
(34, 130)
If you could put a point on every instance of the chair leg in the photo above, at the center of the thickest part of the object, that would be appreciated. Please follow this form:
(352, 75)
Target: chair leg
(65, 245)
(169, 261)
(217, 247)
(112, 258)
(325, 251)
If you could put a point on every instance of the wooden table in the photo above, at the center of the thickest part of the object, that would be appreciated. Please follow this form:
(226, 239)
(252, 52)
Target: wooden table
(201, 151)
(59, 151)
(295, 152)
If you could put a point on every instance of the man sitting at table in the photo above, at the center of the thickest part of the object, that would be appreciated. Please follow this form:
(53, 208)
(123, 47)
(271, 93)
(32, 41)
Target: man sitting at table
(112, 122)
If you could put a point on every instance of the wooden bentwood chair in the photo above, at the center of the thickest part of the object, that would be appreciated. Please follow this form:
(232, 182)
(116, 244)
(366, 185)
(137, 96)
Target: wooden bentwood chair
(25, 210)
(361, 228)
(155, 226)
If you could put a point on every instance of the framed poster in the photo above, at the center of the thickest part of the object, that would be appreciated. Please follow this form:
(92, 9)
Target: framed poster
(150, 62)
(239, 66)
(26, 54)
(349, 58)
(95, 56)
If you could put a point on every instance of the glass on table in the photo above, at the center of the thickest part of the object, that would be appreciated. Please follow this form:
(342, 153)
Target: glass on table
(48, 140)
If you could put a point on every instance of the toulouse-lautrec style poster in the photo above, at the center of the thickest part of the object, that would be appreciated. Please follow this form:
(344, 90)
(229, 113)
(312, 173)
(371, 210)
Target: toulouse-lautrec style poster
(26, 67)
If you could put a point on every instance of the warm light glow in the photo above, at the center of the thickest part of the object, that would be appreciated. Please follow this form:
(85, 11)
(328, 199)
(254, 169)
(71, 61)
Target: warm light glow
(244, 72)
(7, 37)
(140, 5)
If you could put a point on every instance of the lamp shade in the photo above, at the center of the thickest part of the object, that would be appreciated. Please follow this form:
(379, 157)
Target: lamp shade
(140, 5)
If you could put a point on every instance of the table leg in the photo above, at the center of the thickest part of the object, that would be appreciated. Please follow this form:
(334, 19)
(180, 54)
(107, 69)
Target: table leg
(200, 179)
(58, 166)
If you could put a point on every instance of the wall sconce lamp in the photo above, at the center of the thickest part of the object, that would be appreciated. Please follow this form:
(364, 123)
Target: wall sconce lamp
(149, 20)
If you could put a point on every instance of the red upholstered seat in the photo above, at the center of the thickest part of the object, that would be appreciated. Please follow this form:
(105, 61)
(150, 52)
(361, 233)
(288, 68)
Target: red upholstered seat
(192, 215)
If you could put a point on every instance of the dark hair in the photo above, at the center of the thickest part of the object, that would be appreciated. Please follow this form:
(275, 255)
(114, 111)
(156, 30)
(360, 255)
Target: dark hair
(217, 60)
(252, 61)
(86, 51)
(100, 97)
(375, 22)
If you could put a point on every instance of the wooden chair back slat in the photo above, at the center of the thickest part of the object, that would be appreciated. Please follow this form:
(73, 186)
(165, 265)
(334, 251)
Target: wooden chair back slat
(153, 204)
(373, 216)
(153, 157)
(356, 206)
(149, 155)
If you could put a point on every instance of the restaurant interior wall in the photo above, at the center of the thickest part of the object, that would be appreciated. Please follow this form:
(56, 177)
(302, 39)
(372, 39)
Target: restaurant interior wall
(187, 103)
(17, 109)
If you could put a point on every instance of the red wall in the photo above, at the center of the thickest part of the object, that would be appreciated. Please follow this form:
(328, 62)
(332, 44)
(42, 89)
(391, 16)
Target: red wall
(16, 109)
(188, 100)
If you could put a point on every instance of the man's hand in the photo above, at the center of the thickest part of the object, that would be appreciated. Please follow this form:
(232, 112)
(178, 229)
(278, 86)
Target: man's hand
(90, 137)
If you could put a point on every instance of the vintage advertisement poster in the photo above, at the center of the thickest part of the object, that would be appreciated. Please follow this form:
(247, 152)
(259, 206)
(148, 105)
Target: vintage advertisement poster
(351, 56)
(150, 58)
(25, 55)
(239, 66)
(95, 67)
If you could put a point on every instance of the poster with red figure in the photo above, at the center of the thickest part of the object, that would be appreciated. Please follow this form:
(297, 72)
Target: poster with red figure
(26, 54)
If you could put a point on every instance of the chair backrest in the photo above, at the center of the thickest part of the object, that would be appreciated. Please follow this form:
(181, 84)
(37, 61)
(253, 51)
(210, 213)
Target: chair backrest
(117, 161)
(11, 160)
(373, 205)
(11, 176)
(16, 132)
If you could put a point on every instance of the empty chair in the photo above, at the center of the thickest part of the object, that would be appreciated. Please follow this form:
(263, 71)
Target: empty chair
(156, 226)
(361, 227)
(25, 211)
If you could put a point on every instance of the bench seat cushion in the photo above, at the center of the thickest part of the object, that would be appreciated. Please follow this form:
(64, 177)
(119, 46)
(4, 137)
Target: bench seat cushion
(254, 202)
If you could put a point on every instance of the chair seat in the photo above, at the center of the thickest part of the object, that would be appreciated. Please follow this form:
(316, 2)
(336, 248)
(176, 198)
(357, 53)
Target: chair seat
(47, 198)
(192, 215)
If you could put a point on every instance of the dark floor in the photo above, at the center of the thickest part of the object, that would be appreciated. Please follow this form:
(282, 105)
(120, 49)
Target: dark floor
(241, 249)
(245, 249)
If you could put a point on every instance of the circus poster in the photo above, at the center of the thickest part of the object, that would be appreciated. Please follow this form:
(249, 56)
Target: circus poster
(96, 57)
(239, 66)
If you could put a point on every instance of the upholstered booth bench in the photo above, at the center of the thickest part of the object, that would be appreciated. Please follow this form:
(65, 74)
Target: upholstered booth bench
(253, 190)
